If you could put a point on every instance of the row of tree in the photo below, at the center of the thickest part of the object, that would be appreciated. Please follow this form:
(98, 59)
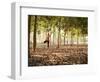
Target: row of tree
(74, 27)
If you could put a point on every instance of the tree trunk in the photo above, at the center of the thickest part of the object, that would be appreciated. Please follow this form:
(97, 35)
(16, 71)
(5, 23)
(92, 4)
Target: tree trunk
(71, 38)
(77, 42)
(53, 35)
(78, 46)
(58, 34)
(64, 37)
(67, 37)
(29, 27)
(83, 39)
(34, 33)
(77, 38)
(48, 40)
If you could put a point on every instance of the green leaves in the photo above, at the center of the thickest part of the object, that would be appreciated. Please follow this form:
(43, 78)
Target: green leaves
(49, 23)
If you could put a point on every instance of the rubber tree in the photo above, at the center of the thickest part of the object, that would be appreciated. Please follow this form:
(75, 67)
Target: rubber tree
(34, 33)
(83, 24)
(64, 27)
(29, 27)
(59, 29)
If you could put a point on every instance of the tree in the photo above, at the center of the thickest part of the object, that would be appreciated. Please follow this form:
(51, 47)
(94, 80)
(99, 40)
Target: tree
(59, 28)
(64, 27)
(34, 33)
(29, 26)
(83, 24)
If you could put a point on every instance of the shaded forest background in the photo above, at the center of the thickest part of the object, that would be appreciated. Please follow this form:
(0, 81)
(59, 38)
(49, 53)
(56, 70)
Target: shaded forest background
(56, 35)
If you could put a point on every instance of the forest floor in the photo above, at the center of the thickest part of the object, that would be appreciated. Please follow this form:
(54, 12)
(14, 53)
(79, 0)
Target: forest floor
(65, 55)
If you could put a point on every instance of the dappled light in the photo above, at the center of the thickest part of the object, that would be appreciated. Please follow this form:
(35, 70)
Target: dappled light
(57, 40)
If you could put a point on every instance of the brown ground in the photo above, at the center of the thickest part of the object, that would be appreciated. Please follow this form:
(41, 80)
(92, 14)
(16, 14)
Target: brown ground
(65, 55)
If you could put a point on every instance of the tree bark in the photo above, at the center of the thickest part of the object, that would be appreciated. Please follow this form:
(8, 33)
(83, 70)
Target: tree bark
(29, 27)
(34, 33)
(53, 35)
(71, 38)
(67, 37)
(77, 37)
(83, 38)
(48, 39)
(58, 34)
(64, 37)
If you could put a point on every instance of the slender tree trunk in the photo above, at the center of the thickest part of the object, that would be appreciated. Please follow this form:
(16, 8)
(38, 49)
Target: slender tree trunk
(71, 38)
(48, 36)
(77, 41)
(29, 27)
(58, 34)
(34, 33)
(64, 37)
(67, 37)
(48, 40)
(77, 38)
(78, 46)
(53, 35)
(83, 39)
